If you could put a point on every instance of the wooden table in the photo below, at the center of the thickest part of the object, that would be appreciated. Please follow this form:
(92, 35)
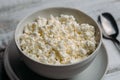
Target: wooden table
(12, 11)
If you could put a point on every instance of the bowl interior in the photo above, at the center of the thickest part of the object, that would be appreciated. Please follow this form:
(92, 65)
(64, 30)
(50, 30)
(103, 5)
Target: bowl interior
(80, 17)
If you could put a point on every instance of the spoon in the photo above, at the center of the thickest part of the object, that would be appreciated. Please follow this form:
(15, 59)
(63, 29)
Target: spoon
(109, 28)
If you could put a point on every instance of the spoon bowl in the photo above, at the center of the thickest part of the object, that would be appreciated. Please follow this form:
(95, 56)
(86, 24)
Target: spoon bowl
(109, 25)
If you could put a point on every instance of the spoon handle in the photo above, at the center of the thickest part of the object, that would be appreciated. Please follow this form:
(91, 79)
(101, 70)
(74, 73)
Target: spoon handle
(117, 43)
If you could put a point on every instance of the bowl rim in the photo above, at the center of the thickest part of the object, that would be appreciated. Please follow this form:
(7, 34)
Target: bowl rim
(60, 65)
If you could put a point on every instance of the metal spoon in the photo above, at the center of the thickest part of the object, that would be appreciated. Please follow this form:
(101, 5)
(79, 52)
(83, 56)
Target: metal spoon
(109, 28)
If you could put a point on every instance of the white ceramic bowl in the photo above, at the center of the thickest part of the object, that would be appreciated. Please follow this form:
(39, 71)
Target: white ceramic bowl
(58, 71)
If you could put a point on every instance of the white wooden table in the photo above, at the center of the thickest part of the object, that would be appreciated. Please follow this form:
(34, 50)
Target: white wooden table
(12, 11)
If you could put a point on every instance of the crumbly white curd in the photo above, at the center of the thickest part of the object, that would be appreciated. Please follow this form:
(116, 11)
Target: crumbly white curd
(57, 40)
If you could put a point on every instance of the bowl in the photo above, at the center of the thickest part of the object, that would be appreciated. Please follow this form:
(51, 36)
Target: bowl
(58, 71)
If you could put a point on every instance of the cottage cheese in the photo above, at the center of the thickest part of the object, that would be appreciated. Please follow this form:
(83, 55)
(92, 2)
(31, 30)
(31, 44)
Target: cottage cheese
(57, 40)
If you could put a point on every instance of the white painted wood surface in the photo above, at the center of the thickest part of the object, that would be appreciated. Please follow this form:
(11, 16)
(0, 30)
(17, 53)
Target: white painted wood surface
(12, 11)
